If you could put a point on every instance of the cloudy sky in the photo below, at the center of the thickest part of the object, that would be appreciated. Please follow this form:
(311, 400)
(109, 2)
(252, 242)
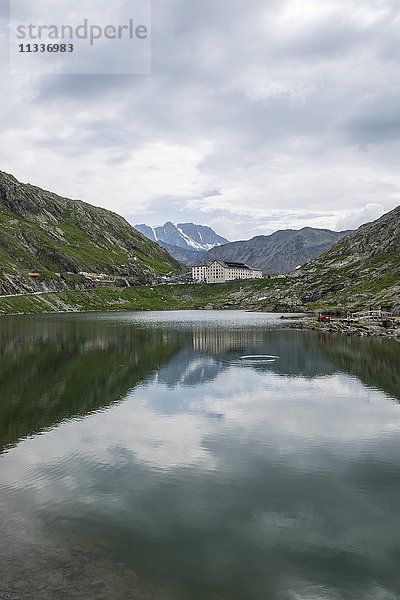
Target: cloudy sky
(257, 116)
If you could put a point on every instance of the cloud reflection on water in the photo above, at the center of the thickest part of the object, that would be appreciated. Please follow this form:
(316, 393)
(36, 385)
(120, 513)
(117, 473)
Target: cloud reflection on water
(230, 479)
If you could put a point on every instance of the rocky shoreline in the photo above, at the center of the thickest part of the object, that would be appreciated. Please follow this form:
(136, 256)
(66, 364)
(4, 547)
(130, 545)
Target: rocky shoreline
(340, 326)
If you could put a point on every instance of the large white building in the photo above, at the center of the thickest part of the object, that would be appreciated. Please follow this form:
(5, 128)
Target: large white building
(220, 272)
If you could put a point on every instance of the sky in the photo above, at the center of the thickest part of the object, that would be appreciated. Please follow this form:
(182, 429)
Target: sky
(256, 116)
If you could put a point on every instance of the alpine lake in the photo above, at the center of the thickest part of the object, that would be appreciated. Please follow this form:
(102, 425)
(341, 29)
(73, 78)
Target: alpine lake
(196, 455)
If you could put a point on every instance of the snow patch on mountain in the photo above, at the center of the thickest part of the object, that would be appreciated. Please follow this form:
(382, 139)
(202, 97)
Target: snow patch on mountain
(188, 236)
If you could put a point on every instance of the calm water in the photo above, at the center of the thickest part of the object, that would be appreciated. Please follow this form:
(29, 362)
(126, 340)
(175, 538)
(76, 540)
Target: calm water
(196, 456)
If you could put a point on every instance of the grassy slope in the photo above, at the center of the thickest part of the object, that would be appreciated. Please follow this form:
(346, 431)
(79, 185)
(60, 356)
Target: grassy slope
(72, 246)
(168, 297)
(261, 295)
(43, 232)
(362, 269)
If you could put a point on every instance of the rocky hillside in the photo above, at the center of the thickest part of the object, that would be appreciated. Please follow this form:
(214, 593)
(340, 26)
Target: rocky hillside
(365, 264)
(360, 270)
(280, 252)
(56, 238)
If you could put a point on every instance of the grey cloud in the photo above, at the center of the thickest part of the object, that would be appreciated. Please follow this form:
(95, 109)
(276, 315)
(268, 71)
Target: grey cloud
(191, 96)
(375, 119)
(226, 73)
(4, 10)
(375, 129)
(80, 87)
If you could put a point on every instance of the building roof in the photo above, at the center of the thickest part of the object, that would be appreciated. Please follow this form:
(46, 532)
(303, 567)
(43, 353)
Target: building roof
(236, 265)
(229, 265)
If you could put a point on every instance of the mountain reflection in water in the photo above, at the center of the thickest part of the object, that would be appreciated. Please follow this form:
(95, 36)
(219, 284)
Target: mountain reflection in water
(144, 458)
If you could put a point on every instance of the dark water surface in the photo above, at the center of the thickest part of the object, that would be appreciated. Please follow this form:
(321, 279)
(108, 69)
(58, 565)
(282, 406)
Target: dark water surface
(196, 456)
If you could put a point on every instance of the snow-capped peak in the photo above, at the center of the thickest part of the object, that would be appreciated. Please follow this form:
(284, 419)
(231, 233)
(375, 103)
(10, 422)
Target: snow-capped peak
(189, 236)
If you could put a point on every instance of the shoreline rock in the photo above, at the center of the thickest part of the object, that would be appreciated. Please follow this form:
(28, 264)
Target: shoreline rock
(359, 329)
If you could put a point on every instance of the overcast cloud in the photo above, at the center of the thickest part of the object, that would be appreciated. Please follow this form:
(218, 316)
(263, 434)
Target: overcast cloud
(257, 116)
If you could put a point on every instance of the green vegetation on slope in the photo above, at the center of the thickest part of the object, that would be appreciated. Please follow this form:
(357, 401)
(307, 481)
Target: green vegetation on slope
(42, 232)
(162, 297)
(362, 269)
(48, 234)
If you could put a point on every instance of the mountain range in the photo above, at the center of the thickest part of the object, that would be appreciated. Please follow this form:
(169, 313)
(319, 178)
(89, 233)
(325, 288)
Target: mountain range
(280, 252)
(186, 242)
(57, 238)
(362, 269)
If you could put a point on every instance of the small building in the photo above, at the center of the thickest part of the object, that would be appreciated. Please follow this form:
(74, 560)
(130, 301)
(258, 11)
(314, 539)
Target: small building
(220, 272)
